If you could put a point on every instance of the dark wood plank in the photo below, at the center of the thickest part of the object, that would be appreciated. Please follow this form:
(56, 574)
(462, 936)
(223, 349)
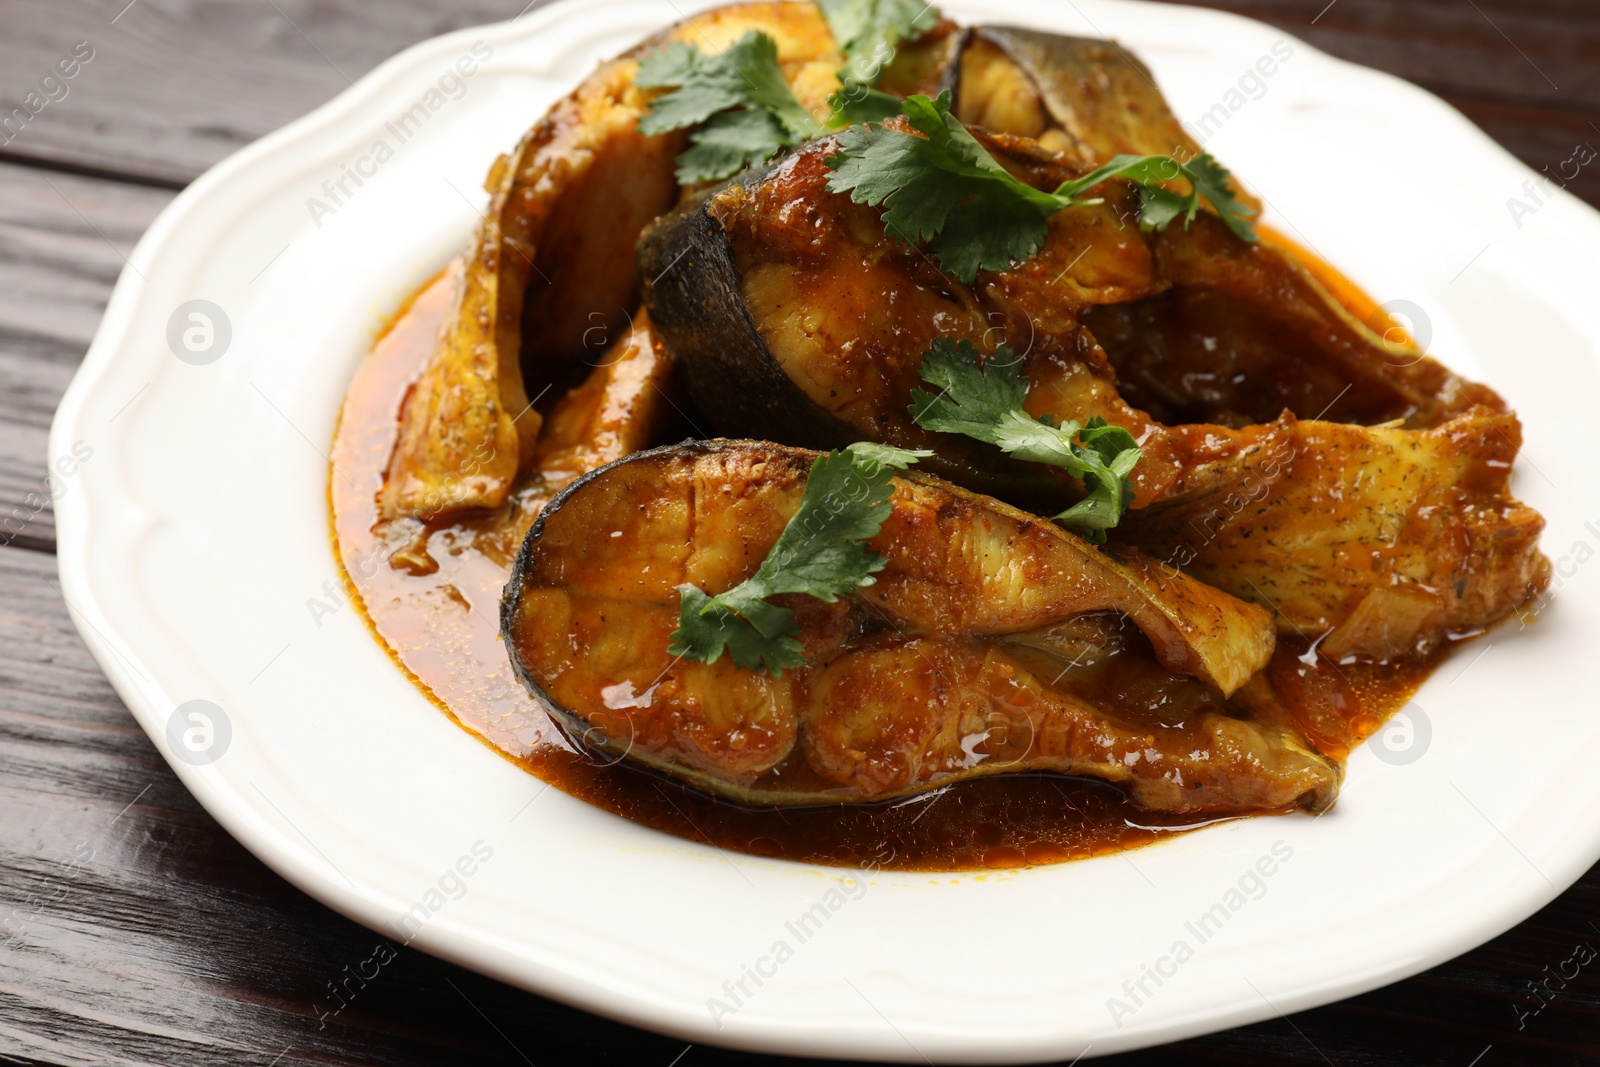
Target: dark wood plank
(1538, 52)
(134, 929)
(1524, 71)
(1545, 138)
(174, 85)
(178, 88)
(62, 242)
(132, 926)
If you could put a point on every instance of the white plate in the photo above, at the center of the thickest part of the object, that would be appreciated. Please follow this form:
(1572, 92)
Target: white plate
(195, 535)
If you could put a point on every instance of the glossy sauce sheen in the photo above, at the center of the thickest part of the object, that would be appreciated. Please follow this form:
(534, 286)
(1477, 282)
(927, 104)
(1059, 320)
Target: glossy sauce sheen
(443, 629)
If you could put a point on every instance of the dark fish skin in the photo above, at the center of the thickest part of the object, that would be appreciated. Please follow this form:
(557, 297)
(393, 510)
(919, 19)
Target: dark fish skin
(989, 643)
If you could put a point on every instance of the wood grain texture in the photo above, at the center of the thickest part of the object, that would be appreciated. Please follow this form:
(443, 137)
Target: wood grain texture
(63, 239)
(133, 930)
(1525, 72)
(176, 85)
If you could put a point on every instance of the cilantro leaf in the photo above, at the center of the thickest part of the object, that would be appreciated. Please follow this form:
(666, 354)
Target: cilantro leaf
(942, 181)
(984, 401)
(869, 32)
(1159, 205)
(855, 104)
(706, 627)
(945, 187)
(738, 101)
(1109, 454)
(821, 553)
(728, 142)
(704, 86)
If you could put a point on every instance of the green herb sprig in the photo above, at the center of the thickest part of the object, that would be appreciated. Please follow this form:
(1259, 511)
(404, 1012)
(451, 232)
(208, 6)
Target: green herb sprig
(984, 401)
(821, 553)
(869, 33)
(946, 188)
(737, 102)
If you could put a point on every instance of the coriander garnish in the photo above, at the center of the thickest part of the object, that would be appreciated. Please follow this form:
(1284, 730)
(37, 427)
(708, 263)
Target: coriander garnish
(821, 553)
(738, 101)
(946, 188)
(984, 401)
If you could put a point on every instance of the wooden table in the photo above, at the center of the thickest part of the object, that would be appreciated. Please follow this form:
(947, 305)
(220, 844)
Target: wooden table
(136, 931)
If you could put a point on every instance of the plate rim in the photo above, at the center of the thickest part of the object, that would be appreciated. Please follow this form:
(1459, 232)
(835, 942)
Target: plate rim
(278, 850)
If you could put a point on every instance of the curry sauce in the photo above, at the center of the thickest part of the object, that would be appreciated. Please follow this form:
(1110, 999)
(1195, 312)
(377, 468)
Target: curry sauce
(439, 619)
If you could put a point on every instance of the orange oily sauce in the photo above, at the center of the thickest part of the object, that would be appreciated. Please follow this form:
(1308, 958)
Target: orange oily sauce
(443, 630)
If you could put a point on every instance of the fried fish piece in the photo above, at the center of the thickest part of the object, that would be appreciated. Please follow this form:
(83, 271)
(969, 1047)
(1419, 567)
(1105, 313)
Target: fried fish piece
(630, 401)
(553, 262)
(991, 642)
(466, 427)
(803, 322)
(1382, 538)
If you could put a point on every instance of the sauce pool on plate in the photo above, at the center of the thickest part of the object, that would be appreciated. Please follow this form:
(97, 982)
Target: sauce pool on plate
(440, 621)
